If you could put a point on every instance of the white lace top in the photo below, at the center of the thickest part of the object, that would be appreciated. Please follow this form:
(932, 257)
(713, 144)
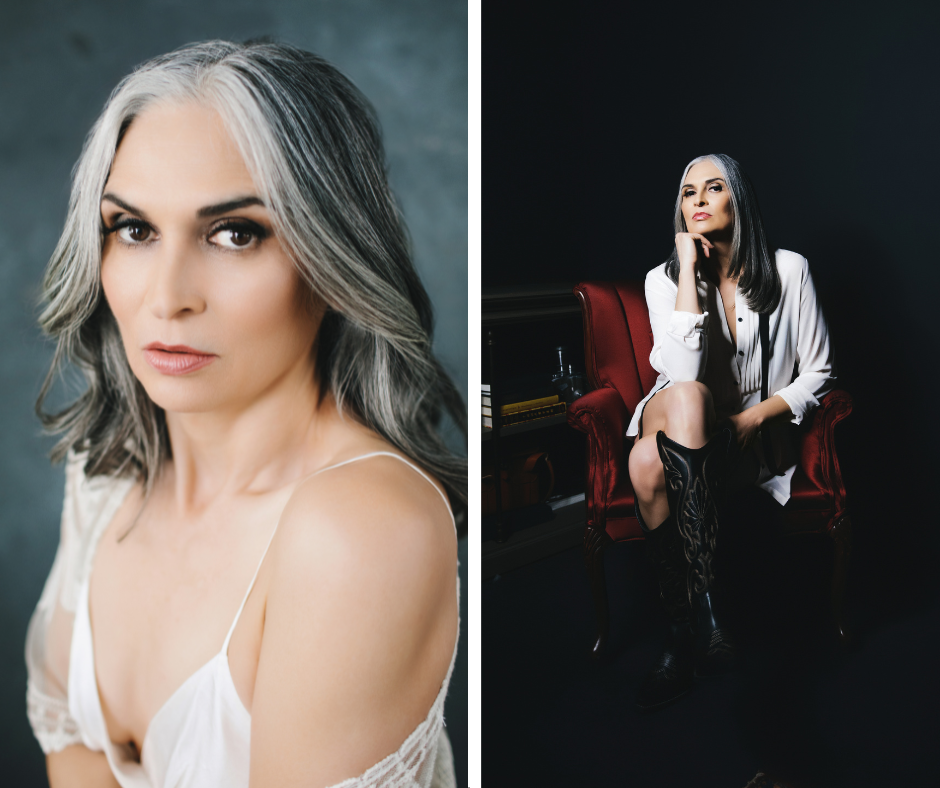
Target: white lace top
(205, 717)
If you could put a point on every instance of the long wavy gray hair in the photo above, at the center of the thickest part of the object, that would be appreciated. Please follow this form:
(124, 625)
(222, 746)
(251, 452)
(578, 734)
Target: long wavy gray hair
(751, 258)
(313, 145)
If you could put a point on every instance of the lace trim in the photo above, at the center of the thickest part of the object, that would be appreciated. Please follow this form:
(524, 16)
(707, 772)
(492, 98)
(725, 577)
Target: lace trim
(49, 717)
(403, 768)
(444, 764)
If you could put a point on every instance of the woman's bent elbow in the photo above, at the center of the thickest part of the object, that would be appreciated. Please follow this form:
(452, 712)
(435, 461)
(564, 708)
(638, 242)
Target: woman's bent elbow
(78, 767)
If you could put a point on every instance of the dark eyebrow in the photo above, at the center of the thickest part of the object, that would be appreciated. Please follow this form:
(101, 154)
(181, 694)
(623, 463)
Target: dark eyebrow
(710, 180)
(225, 207)
(121, 204)
(202, 213)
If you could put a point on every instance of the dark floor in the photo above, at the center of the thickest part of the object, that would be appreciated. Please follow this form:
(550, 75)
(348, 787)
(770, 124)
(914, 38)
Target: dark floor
(802, 707)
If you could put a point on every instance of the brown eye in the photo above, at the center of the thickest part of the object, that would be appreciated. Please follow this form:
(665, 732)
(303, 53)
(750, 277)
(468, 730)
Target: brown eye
(134, 233)
(234, 237)
(239, 237)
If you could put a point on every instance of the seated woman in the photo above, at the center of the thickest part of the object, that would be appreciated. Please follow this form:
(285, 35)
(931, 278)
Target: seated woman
(256, 582)
(742, 349)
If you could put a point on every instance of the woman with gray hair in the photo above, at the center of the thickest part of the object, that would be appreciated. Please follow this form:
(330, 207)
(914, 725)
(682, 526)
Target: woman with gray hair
(742, 350)
(256, 582)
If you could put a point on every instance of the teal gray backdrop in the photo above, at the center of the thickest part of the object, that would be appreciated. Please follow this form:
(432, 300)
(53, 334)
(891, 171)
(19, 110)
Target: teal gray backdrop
(58, 62)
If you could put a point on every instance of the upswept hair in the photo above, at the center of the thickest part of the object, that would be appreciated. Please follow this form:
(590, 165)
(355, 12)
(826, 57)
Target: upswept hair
(751, 258)
(313, 146)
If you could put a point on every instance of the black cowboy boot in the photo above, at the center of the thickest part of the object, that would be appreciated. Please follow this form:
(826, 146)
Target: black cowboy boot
(672, 675)
(694, 479)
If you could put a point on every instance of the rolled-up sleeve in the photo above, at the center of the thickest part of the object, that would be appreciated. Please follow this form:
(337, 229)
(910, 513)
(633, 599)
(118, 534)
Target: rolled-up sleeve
(680, 345)
(815, 367)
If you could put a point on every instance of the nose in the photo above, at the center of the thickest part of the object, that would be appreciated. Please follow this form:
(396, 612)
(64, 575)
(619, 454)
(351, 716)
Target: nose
(702, 198)
(173, 289)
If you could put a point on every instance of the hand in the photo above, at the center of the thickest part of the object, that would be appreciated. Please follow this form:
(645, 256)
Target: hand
(746, 427)
(687, 246)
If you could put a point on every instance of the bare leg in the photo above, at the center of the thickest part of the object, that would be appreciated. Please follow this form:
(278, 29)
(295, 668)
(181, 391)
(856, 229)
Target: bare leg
(686, 414)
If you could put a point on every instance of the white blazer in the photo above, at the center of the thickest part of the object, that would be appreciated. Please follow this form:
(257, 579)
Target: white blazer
(690, 347)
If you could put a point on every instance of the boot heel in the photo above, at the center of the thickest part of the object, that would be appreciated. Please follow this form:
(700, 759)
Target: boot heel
(672, 675)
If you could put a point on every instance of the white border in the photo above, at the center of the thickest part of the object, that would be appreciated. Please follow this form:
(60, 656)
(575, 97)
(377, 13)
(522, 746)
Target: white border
(474, 569)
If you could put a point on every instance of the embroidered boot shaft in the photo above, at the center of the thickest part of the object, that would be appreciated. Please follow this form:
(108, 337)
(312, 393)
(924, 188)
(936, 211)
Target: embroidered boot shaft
(694, 479)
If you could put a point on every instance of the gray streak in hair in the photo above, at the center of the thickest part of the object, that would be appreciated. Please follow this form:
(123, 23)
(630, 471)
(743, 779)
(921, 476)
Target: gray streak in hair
(313, 146)
(751, 258)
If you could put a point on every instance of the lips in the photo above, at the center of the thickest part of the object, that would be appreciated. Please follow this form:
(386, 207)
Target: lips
(700, 216)
(176, 359)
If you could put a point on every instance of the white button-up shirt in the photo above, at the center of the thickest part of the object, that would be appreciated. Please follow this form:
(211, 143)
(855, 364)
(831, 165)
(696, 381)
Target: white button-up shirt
(689, 347)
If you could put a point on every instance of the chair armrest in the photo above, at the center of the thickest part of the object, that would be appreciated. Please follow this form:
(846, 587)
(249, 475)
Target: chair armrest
(604, 417)
(818, 451)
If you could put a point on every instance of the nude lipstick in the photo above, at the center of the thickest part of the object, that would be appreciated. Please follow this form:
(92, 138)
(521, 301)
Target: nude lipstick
(700, 216)
(176, 359)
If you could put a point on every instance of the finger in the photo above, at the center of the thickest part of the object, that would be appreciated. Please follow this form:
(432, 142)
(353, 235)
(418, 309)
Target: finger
(706, 244)
(700, 237)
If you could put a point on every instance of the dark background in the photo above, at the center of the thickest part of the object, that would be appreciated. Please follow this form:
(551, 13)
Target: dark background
(58, 62)
(590, 113)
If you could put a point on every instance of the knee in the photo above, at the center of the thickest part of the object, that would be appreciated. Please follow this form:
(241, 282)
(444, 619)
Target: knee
(689, 403)
(690, 397)
(646, 469)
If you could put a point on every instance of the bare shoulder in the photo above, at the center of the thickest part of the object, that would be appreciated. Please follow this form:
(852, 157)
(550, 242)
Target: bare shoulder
(373, 525)
(378, 500)
(360, 622)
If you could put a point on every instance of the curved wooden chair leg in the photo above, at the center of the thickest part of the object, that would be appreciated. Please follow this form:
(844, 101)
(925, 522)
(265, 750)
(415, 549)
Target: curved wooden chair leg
(841, 533)
(595, 543)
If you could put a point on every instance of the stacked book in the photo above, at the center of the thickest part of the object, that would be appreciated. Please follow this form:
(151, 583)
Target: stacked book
(519, 412)
(487, 407)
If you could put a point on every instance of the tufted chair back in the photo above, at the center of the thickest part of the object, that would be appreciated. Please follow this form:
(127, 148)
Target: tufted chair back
(617, 338)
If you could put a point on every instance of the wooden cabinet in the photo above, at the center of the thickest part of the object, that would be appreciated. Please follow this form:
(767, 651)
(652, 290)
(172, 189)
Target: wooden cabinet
(523, 328)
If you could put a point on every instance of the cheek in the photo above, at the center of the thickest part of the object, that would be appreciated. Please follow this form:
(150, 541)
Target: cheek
(267, 311)
(121, 290)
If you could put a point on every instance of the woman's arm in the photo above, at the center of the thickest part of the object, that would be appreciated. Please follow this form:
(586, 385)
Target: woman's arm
(687, 251)
(78, 767)
(69, 764)
(360, 624)
(680, 348)
(814, 354)
(748, 422)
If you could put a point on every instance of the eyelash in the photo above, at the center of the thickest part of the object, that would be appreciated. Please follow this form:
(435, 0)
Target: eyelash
(257, 232)
(716, 186)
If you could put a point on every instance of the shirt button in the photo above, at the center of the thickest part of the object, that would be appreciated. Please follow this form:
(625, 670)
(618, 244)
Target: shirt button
(740, 319)
(740, 352)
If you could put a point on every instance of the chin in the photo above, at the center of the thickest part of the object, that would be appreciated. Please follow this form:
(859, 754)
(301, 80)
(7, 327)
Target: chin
(183, 394)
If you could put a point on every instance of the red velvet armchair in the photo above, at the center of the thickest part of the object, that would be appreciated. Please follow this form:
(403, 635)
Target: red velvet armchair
(617, 345)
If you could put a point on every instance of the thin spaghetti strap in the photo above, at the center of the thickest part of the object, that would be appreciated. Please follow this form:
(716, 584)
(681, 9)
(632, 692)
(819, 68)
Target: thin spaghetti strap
(251, 585)
(411, 465)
